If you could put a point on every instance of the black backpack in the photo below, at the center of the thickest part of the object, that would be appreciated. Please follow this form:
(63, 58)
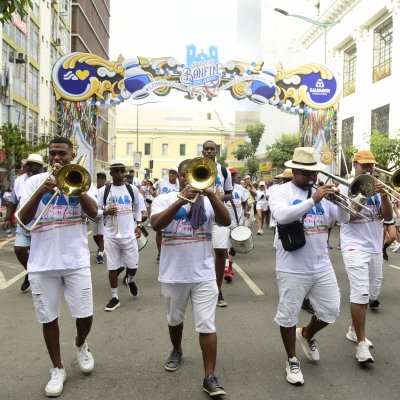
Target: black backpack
(107, 192)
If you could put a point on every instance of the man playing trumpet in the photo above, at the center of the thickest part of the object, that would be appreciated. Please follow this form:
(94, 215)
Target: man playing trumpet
(59, 260)
(361, 245)
(306, 271)
(187, 269)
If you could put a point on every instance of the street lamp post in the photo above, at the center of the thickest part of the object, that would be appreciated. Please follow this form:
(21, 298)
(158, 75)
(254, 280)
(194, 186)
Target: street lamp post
(137, 120)
(324, 25)
(151, 167)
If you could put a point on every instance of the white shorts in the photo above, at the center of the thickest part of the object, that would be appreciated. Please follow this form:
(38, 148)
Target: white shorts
(22, 237)
(46, 292)
(220, 237)
(204, 296)
(321, 289)
(121, 253)
(97, 227)
(364, 271)
(263, 207)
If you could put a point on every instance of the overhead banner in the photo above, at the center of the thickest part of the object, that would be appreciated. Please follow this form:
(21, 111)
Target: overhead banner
(83, 77)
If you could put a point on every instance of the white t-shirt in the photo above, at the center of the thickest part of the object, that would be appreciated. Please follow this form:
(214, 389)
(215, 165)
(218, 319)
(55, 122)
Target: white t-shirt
(262, 201)
(272, 222)
(221, 185)
(17, 192)
(163, 186)
(239, 196)
(186, 255)
(289, 203)
(125, 220)
(360, 234)
(59, 240)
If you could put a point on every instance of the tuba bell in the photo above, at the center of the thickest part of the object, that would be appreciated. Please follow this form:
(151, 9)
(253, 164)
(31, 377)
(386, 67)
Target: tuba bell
(201, 173)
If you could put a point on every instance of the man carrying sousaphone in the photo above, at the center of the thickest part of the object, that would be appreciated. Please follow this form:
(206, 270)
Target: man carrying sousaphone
(59, 259)
(303, 266)
(186, 268)
(361, 245)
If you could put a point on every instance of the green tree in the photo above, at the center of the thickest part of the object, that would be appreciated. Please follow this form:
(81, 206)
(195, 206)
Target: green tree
(15, 147)
(385, 149)
(282, 149)
(248, 150)
(7, 7)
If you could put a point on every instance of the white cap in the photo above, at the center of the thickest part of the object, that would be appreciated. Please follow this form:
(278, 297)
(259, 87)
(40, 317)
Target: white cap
(262, 183)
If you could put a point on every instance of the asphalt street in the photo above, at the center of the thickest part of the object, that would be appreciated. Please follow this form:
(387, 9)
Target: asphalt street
(131, 344)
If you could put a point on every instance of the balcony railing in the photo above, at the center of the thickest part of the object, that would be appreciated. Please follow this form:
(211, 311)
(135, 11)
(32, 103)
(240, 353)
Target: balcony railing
(349, 87)
(382, 71)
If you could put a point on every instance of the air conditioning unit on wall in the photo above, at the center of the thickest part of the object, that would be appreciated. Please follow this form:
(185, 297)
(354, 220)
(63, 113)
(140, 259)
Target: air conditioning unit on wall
(21, 58)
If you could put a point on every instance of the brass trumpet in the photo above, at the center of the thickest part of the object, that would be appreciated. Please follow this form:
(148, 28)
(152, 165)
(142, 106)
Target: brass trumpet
(393, 189)
(361, 189)
(200, 173)
(72, 180)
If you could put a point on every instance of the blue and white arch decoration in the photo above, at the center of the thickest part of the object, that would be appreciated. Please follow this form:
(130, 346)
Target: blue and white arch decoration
(80, 76)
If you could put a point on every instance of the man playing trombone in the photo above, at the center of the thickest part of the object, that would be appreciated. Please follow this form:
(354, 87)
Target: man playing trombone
(361, 245)
(304, 270)
(59, 258)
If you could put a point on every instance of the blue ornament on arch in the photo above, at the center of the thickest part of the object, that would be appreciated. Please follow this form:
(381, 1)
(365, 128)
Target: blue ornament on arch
(76, 81)
(263, 90)
(135, 77)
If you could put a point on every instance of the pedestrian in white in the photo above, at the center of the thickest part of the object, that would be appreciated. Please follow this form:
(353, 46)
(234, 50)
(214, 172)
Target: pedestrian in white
(262, 206)
(122, 218)
(302, 212)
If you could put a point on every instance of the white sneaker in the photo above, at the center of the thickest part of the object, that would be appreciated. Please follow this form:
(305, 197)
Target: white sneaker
(351, 335)
(85, 358)
(293, 372)
(260, 232)
(309, 347)
(396, 248)
(56, 383)
(363, 354)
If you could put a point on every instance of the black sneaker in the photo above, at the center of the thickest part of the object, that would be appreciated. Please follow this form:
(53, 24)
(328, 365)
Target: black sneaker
(174, 360)
(374, 303)
(25, 285)
(99, 258)
(133, 290)
(307, 306)
(212, 386)
(112, 304)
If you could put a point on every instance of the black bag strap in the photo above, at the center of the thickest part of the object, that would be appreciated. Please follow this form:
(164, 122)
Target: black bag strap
(234, 210)
(224, 172)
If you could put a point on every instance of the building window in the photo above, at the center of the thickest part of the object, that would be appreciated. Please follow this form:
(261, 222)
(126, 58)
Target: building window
(147, 149)
(347, 141)
(383, 36)
(33, 85)
(33, 127)
(199, 150)
(380, 119)
(218, 148)
(349, 71)
(129, 149)
(182, 149)
(20, 116)
(20, 80)
(164, 173)
(165, 149)
(34, 41)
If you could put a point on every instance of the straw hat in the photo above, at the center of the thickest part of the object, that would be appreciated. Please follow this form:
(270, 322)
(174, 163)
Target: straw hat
(305, 158)
(364, 157)
(287, 173)
(33, 158)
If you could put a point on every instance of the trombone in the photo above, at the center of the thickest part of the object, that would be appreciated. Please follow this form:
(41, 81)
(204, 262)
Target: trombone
(72, 180)
(361, 189)
(201, 173)
(392, 190)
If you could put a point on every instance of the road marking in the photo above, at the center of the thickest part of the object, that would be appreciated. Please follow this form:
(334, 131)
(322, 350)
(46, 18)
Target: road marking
(4, 284)
(256, 290)
(394, 266)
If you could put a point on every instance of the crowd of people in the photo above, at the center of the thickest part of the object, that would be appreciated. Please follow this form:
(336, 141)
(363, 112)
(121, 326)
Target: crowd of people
(194, 251)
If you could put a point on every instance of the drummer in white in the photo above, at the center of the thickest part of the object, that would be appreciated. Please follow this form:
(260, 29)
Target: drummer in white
(238, 209)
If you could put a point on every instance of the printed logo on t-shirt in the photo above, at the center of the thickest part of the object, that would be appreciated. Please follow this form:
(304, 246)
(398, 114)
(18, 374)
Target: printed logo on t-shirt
(315, 221)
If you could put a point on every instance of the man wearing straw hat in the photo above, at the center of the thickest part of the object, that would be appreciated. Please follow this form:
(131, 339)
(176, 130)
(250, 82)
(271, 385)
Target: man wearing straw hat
(33, 166)
(361, 245)
(304, 270)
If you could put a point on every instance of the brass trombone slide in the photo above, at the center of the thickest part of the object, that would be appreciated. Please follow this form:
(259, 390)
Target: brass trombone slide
(361, 189)
(72, 180)
(201, 173)
(393, 190)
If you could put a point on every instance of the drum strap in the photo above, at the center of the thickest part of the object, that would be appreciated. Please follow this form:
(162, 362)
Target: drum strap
(234, 210)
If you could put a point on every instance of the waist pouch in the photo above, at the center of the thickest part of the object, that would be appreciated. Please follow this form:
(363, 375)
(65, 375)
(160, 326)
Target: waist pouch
(292, 235)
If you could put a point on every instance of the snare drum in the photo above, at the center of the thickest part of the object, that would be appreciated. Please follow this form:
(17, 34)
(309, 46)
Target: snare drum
(241, 239)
